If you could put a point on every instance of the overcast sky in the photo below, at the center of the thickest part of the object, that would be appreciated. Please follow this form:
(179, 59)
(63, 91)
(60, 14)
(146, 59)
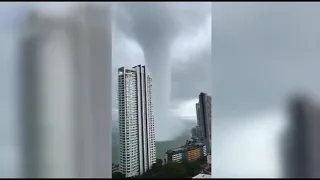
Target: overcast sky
(171, 39)
(261, 52)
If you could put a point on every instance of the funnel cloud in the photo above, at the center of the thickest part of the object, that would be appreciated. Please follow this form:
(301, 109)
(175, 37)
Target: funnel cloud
(155, 27)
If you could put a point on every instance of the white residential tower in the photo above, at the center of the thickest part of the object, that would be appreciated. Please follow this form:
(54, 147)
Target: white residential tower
(136, 121)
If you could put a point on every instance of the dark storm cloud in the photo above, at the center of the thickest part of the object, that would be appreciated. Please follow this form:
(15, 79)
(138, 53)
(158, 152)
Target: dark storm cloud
(192, 77)
(158, 23)
(261, 52)
(155, 26)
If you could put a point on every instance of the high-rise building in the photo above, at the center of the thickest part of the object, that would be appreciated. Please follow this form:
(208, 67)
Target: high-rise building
(198, 114)
(66, 94)
(203, 108)
(196, 132)
(301, 145)
(136, 121)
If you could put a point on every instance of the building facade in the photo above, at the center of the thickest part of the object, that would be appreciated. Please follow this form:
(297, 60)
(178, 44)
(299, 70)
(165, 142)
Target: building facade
(193, 154)
(203, 108)
(136, 121)
(176, 155)
(198, 111)
(209, 159)
(189, 152)
(193, 132)
(66, 79)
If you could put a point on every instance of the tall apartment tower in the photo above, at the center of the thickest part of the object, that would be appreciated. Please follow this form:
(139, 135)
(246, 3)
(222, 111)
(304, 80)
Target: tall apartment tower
(136, 121)
(198, 127)
(301, 145)
(66, 78)
(203, 108)
(198, 114)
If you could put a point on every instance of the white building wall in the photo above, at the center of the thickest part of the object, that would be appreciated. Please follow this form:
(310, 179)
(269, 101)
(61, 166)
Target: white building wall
(204, 150)
(177, 157)
(209, 159)
(128, 123)
(136, 122)
(151, 128)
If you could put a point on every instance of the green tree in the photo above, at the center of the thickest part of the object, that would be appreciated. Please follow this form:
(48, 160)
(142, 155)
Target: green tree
(117, 175)
(193, 168)
(156, 168)
(172, 170)
(159, 161)
(202, 159)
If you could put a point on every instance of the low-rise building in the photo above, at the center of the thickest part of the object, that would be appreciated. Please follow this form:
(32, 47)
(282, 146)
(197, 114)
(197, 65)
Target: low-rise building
(115, 168)
(209, 159)
(194, 153)
(189, 152)
(176, 155)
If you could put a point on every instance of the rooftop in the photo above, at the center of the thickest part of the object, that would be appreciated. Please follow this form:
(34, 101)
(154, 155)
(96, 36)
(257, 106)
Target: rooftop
(184, 148)
(175, 150)
(202, 176)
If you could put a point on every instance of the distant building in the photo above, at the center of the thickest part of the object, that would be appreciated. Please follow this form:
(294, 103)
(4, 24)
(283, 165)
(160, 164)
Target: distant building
(196, 132)
(301, 141)
(199, 132)
(165, 160)
(192, 140)
(193, 132)
(186, 153)
(203, 108)
(194, 153)
(198, 111)
(115, 168)
(136, 121)
(209, 159)
(176, 155)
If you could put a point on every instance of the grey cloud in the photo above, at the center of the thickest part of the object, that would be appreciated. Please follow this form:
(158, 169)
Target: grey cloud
(192, 77)
(144, 20)
(155, 26)
(148, 23)
(158, 23)
(261, 52)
